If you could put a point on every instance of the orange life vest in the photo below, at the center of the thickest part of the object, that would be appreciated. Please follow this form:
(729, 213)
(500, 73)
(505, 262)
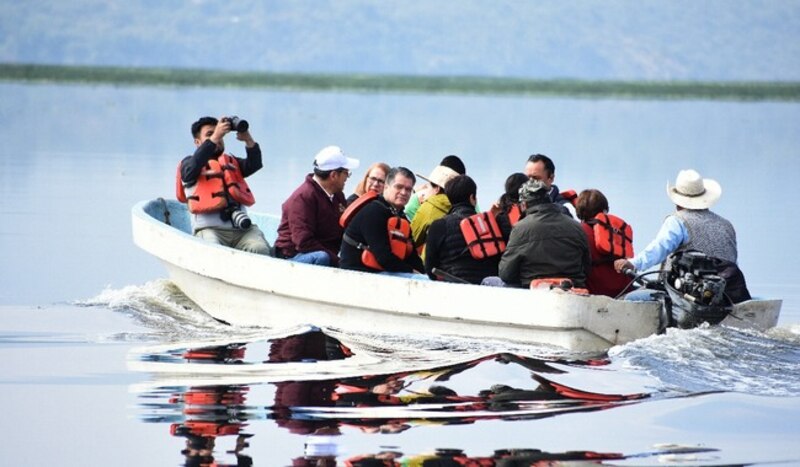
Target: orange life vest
(400, 242)
(562, 283)
(571, 196)
(482, 234)
(612, 236)
(220, 179)
(398, 229)
(514, 214)
(206, 429)
(356, 206)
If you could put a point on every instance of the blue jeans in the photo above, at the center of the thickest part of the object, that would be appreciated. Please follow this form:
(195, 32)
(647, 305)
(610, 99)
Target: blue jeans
(640, 295)
(320, 258)
(493, 281)
(406, 275)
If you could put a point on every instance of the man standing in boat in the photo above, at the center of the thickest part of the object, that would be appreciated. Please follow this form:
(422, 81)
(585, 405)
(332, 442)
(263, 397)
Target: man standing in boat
(309, 230)
(213, 185)
(377, 236)
(694, 227)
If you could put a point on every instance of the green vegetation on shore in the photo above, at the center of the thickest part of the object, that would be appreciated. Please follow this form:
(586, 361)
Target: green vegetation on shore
(747, 91)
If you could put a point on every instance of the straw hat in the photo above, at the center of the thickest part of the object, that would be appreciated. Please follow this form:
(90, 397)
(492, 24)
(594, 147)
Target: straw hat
(440, 175)
(691, 191)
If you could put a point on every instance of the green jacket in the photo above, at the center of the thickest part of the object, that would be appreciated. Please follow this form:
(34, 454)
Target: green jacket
(433, 208)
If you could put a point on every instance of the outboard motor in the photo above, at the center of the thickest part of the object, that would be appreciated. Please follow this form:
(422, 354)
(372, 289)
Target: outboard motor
(696, 289)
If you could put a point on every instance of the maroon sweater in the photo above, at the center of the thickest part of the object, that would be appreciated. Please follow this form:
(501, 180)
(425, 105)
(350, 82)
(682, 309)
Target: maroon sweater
(310, 221)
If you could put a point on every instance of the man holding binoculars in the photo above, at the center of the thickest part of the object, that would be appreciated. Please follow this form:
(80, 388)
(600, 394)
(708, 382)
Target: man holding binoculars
(213, 185)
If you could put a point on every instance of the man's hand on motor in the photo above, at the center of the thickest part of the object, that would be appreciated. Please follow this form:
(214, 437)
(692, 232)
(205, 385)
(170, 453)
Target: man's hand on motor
(622, 264)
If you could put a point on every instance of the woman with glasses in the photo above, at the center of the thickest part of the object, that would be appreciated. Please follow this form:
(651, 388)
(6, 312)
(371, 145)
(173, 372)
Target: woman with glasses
(374, 180)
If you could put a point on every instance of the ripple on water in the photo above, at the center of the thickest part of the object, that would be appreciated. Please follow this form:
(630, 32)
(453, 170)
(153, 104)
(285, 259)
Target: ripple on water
(719, 359)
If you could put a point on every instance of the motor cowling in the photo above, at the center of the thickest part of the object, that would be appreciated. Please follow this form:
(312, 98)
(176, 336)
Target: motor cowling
(696, 289)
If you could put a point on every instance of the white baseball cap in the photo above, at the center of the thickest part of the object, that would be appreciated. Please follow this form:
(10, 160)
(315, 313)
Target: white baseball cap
(332, 158)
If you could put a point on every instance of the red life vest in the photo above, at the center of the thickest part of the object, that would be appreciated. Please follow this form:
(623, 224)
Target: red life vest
(612, 236)
(549, 283)
(220, 179)
(571, 196)
(514, 214)
(398, 229)
(483, 236)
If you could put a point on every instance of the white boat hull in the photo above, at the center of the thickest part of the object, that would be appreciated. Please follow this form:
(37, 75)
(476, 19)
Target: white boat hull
(253, 290)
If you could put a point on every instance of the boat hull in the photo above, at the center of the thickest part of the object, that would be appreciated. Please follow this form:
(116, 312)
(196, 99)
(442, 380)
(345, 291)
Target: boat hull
(246, 289)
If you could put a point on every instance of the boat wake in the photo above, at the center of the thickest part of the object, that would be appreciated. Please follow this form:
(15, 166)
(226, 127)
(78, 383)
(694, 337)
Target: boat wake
(718, 359)
(161, 308)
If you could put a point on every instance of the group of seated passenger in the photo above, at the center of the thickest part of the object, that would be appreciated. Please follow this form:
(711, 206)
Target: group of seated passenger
(533, 234)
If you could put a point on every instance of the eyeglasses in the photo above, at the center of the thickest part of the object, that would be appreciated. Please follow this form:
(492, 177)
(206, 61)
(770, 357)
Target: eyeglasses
(377, 180)
(344, 171)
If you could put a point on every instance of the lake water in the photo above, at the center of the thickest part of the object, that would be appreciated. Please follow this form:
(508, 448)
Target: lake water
(106, 363)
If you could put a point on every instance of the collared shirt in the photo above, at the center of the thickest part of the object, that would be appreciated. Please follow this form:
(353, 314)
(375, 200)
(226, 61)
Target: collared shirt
(673, 234)
(330, 195)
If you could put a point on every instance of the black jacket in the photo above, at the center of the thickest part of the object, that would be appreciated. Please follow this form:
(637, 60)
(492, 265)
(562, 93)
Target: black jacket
(546, 243)
(369, 227)
(191, 166)
(446, 248)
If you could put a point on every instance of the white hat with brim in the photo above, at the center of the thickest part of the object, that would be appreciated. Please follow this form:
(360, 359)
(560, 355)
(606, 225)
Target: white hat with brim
(691, 191)
(440, 175)
(332, 158)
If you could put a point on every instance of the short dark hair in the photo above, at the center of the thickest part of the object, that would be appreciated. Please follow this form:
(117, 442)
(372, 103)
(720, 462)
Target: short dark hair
(458, 189)
(590, 203)
(548, 163)
(511, 195)
(199, 124)
(394, 171)
(454, 162)
(322, 174)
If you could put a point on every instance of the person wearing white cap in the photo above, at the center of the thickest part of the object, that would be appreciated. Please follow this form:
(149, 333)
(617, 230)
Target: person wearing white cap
(694, 227)
(309, 230)
(435, 206)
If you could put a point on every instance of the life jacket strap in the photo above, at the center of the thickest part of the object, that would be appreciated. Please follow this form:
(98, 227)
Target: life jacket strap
(354, 243)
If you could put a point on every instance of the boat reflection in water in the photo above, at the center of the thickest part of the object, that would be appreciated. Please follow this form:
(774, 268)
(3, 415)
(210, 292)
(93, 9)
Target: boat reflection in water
(320, 409)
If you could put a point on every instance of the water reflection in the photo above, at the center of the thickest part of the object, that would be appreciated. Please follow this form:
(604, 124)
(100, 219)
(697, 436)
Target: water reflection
(322, 408)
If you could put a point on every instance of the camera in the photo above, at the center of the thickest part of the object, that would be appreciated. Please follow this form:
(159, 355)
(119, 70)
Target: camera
(237, 124)
(240, 219)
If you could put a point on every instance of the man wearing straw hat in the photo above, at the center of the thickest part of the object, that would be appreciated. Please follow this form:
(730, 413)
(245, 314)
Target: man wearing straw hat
(694, 227)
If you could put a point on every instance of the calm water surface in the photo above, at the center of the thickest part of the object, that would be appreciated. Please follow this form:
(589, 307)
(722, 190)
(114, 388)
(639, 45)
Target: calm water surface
(106, 363)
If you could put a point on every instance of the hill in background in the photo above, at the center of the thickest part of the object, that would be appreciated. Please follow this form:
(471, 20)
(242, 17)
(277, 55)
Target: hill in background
(619, 40)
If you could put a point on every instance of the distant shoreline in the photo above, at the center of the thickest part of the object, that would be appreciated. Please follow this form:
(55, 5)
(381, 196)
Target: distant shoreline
(182, 77)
